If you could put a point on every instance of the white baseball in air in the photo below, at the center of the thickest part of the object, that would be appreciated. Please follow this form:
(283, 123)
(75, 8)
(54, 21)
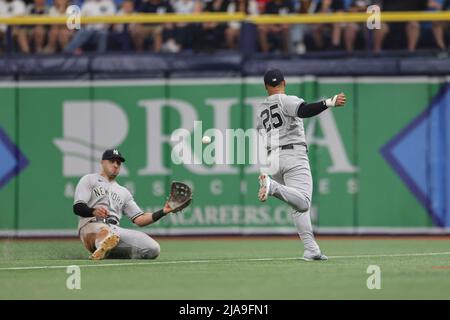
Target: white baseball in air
(206, 139)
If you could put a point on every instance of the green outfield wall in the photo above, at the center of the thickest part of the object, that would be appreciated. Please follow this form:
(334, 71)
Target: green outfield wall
(60, 129)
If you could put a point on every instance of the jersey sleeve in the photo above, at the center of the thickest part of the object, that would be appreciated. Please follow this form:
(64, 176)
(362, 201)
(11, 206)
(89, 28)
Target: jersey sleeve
(83, 190)
(290, 105)
(131, 209)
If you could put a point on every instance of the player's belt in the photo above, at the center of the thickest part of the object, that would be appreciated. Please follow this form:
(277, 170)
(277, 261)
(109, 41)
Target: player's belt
(112, 220)
(289, 146)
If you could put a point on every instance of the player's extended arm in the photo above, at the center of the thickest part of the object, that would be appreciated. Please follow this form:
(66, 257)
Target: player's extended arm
(179, 198)
(307, 110)
(148, 218)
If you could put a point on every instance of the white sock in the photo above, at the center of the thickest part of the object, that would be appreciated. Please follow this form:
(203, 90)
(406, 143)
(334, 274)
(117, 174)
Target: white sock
(97, 243)
(302, 222)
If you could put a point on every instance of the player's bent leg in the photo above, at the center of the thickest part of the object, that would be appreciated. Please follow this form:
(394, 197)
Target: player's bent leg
(99, 239)
(135, 245)
(105, 244)
(151, 252)
(297, 199)
(292, 183)
(291, 191)
(297, 188)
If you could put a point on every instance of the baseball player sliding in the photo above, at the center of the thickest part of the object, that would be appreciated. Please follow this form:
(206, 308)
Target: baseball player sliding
(100, 203)
(280, 119)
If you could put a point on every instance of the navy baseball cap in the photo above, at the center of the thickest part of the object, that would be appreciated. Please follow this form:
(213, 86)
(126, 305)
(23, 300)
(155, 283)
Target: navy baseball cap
(273, 77)
(111, 154)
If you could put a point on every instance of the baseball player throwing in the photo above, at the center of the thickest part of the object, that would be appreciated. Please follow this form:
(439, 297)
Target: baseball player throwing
(100, 203)
(280, 120)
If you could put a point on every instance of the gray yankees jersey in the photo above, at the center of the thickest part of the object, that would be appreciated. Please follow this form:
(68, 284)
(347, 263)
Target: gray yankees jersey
(96, 190)
(277, 116)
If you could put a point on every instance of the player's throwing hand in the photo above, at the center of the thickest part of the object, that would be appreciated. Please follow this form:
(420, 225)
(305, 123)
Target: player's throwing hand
(340, 100)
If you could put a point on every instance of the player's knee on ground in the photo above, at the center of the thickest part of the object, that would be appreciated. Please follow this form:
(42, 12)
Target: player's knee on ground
(150, 252)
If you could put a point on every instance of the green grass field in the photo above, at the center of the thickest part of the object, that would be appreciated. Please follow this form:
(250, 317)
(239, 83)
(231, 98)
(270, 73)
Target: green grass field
(235, 268)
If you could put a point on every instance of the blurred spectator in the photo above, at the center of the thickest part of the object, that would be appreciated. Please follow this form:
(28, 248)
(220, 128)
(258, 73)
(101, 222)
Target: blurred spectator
(173, 37)
(97, 33)
(122, 32)
(142, 31)
(212, 34)
(261, 5)
(275, 35)
(412, 27)
(13, 8)
(297, 31)
(183, 33)
(352, 29)
(328, 6)
(3, 13)
(3, 9)
(187, 7)
(59, 35)
(249, 7)
(33, 34)
(438, 27)
(126, 8)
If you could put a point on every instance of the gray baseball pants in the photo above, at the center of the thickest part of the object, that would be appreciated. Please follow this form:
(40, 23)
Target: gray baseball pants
(132, 245)
(292, 183)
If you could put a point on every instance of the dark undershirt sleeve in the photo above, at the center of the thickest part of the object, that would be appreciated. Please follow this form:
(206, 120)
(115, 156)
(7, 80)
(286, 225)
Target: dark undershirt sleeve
(81, 209)
(307, 110)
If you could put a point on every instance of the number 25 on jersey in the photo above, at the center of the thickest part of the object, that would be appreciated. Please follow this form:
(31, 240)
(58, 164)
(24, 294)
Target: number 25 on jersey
(271, 114)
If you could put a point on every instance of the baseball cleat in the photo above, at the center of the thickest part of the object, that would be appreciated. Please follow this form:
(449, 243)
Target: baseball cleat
(264, 187)
(317, 257)
(107, 244)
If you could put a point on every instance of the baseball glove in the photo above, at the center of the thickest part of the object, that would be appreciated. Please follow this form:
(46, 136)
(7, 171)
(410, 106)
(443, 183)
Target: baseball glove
(180, 196)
